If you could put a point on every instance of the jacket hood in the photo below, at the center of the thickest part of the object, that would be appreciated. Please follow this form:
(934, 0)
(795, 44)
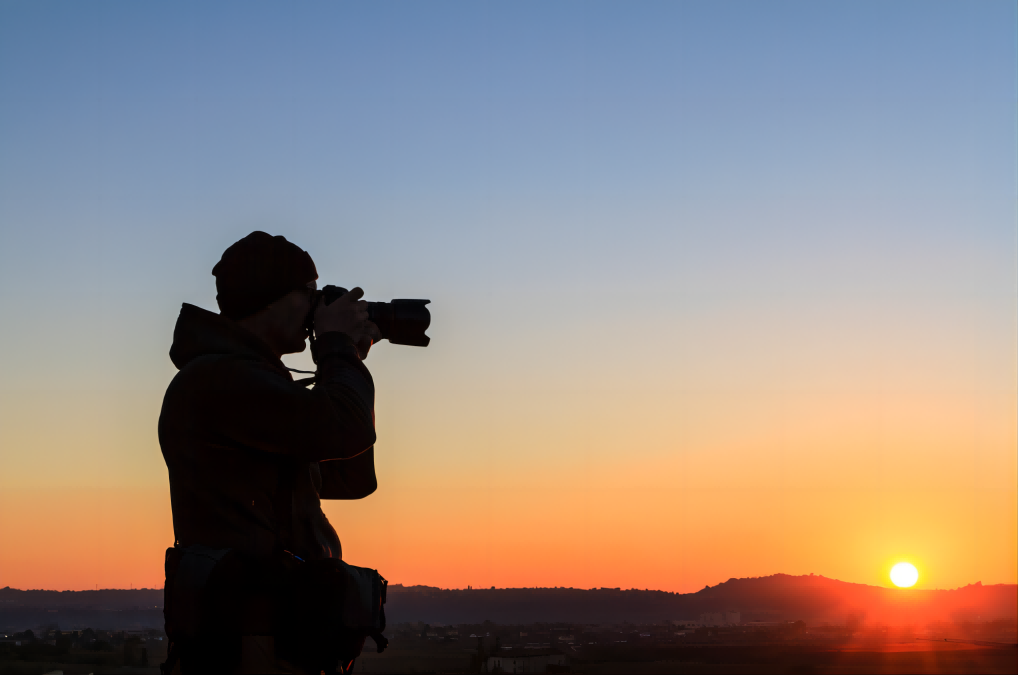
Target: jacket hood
(200, 332)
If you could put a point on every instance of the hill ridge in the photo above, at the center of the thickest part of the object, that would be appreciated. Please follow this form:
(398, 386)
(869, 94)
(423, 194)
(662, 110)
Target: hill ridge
(776, 597)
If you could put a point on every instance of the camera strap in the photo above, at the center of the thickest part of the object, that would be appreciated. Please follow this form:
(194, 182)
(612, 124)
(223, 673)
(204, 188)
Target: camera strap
(306, 381)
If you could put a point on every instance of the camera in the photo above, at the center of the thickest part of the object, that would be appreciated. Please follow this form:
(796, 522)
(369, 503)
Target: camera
(401, 322)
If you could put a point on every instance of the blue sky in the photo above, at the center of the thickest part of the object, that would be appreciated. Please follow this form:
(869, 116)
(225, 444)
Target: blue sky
(583, 145)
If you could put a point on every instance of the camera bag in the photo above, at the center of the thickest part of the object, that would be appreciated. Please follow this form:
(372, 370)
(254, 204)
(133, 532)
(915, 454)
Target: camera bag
(322, 610)
(328, 608)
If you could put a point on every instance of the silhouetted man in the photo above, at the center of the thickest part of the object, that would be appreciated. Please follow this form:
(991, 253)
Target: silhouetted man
(250, 452)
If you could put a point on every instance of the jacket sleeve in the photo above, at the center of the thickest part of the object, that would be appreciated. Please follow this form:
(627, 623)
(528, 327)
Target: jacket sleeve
(348, 478)
(248, 402)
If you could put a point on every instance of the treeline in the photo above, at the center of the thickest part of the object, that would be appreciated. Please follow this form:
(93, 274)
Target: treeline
(780, 597)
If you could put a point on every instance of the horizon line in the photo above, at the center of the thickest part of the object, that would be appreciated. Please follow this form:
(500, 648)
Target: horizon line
(572, 588)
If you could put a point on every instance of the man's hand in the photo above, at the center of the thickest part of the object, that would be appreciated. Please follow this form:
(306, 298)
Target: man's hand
(348, 314)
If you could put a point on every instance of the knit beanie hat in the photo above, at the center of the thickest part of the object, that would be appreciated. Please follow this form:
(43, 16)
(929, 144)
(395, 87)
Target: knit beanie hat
(258, 270)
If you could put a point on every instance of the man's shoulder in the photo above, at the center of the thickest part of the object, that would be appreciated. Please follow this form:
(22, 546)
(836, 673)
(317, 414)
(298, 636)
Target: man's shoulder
(222, 369)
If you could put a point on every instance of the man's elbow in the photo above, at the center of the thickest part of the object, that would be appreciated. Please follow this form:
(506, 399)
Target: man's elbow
(364, 442)
(365, 487)
(354, 444)
(360, 476)
(352, 478)
(349, 485)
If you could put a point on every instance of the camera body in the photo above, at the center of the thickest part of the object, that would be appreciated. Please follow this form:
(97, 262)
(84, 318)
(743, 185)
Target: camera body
(401, 322)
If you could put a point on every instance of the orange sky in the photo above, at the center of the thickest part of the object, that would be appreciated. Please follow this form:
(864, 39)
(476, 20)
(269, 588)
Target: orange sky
(569, 486)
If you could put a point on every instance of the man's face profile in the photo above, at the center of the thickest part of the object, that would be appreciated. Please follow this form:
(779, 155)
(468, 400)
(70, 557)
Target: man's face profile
(293, 311)
(282, 323)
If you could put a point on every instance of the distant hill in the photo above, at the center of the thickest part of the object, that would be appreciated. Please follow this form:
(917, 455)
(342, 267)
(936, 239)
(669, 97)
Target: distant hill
(780, 597)
(110, 609)
(106, 599)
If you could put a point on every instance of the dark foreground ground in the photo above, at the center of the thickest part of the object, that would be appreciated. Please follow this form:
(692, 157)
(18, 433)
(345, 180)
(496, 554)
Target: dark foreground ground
(903, 658)
(911, 657)
(673, 647)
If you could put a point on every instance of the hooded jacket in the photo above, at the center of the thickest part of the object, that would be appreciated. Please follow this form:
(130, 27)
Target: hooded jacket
(250, 452)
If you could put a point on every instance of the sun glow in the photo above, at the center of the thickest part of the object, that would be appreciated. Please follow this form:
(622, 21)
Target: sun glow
(904, 575)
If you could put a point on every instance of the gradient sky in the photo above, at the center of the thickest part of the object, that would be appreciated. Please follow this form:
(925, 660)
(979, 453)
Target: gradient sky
(719, 289)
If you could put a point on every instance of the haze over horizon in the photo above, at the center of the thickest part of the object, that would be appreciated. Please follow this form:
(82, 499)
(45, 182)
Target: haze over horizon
(579, 588)
(719, 290)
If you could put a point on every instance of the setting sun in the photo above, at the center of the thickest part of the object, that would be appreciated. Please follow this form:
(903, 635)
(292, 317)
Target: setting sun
(904, 575)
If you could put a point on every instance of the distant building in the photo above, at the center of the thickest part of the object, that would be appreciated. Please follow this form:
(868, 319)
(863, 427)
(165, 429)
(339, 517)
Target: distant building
(684, 623)
(720, 619)
(531, 663)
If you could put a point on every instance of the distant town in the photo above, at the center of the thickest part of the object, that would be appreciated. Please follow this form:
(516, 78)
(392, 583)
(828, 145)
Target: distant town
(704, 644)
